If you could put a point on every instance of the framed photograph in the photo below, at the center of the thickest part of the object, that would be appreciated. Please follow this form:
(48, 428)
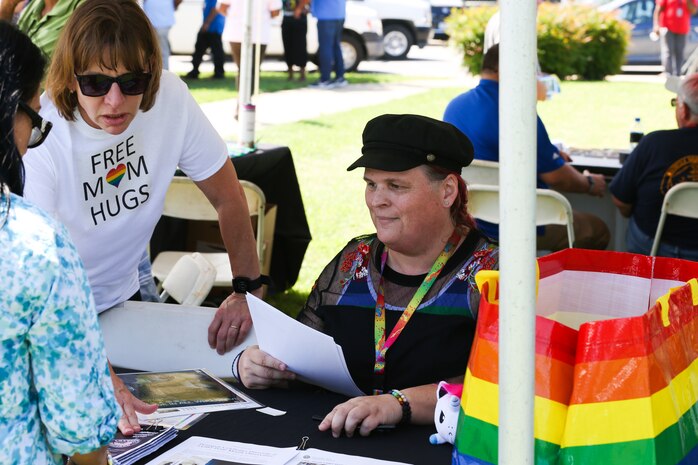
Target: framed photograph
(186, 391)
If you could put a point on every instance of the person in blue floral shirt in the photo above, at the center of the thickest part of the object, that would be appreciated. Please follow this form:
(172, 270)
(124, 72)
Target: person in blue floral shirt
(56, 395)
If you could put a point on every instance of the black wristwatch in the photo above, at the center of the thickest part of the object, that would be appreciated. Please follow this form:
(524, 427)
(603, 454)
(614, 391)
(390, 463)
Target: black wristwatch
(242, 284)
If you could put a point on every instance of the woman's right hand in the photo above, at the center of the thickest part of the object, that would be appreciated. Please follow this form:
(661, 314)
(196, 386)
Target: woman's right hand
(259, 370)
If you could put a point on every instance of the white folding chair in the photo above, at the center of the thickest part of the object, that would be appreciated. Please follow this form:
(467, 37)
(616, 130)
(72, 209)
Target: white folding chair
(482, 172)
(189, 281)
(681, 200)
(551, 207)
(186, 201)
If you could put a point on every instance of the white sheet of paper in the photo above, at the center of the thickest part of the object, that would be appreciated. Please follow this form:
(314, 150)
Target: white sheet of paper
(200, 450)
(151, 336)
(312, 355)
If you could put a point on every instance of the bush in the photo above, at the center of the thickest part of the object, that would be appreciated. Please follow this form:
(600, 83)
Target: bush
(606, 39)
(572, 39)
(466, 29)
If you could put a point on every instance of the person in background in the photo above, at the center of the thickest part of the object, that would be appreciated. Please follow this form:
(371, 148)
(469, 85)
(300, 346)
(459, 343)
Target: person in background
(41, 20)
(672, 21)
(476, 114)
(209, 36)
(122, 127)
(402, 303)
(330, 16)
(294, 29)
(161, 14)
(662, 160)
(262, 13)
(55, 393)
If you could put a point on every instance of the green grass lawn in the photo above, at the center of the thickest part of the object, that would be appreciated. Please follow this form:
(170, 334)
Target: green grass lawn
(584, 114)
(207, 90)
(599, 114)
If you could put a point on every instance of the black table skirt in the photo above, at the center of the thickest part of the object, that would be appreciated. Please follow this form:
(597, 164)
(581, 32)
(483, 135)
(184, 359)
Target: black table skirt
(408, 444)
(272, 169)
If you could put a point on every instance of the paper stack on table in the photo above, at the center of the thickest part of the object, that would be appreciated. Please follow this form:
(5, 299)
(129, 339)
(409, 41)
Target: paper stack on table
(126, 450)
(312, 355)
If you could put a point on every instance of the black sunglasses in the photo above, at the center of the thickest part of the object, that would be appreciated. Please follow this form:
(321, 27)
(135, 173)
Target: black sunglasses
(40, 126)
(97, 85)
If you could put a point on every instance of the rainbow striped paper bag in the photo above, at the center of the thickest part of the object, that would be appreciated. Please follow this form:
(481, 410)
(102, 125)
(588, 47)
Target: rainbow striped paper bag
(616, 373)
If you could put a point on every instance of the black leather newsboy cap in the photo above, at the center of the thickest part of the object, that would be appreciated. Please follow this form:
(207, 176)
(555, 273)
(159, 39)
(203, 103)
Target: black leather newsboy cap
(403, 142)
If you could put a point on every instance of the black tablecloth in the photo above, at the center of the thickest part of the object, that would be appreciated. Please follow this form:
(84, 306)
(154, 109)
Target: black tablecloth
(408, 444)
(271, 168)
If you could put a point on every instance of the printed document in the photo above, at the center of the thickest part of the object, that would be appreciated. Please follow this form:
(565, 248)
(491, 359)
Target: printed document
(312, 355)
(204, 451)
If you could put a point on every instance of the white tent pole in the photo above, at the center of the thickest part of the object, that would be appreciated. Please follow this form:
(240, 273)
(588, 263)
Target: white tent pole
(245, 110)
(517, 142)
(246, 63)
(258, 50)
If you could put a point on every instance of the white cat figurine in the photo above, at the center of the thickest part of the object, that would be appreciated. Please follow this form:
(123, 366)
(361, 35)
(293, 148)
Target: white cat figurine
(446, 413)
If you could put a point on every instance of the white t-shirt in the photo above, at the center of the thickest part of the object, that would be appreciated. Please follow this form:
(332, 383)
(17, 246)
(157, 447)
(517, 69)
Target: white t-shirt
(261, 16)
(109, 190)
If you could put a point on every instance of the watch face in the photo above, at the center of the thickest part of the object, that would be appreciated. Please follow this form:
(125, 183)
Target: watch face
(241, 285)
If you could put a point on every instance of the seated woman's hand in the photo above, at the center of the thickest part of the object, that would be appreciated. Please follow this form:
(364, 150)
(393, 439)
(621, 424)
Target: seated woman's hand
(259, 370)
(362, 415)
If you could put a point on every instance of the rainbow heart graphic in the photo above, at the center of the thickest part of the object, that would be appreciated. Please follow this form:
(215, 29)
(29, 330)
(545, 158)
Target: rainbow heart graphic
(115, 175)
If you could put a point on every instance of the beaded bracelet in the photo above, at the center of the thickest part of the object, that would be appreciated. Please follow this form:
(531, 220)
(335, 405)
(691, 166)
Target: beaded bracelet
(404, 403)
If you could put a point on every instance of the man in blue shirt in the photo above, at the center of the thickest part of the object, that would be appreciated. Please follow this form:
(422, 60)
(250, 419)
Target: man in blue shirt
(476, 114)
(209, 36)
(330, 16)
(661, 160)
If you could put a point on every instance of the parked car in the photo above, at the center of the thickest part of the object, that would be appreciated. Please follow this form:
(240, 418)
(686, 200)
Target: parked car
(405, 23)
(441, 9)
(642, 49)
(362, 37)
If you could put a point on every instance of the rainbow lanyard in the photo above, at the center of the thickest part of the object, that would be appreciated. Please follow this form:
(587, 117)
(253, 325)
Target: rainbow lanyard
(382, 345)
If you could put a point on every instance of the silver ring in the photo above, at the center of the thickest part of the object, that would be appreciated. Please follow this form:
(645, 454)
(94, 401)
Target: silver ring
(234, 327)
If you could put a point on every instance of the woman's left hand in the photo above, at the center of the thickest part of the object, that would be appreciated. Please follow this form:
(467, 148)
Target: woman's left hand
(362, 415)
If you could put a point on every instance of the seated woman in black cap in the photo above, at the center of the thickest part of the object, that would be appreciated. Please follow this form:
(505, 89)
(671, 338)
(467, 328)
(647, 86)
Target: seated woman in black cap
(401, 303)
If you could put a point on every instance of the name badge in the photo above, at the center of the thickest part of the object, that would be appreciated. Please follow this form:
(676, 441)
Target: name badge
(679, 12)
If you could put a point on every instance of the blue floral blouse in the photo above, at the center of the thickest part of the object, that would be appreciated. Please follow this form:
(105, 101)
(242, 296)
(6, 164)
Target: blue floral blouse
(56, 396)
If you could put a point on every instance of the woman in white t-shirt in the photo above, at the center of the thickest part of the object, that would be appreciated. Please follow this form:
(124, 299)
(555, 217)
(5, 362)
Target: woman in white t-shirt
(122, 127)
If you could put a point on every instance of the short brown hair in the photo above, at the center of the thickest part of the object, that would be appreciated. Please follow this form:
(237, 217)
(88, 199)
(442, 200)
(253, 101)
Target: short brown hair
(490, 62)
(108, 33)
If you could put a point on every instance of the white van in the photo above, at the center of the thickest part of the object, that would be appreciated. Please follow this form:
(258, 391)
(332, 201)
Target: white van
(362, 37)
(405, 23)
